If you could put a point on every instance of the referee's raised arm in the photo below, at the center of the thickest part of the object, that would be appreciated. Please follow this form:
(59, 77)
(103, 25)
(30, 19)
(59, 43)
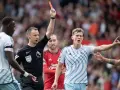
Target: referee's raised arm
(50, 28)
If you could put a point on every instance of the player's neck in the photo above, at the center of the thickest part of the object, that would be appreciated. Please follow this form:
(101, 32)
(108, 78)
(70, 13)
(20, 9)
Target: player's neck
(76, 46)
(31, 44)
(53, 51)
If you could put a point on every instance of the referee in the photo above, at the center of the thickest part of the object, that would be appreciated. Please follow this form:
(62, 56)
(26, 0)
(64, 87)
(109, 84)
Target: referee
(31, 56)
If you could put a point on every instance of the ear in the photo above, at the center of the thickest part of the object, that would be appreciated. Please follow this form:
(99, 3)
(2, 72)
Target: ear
(72, 37)
(28, 36)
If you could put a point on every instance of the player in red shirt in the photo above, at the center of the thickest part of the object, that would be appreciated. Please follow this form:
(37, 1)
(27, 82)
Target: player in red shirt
(51, 59)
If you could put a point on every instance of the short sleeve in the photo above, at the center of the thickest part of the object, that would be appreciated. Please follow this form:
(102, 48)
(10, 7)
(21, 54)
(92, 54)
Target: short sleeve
(61, 58)
(91, 49)
(43, 42)
(8, 44)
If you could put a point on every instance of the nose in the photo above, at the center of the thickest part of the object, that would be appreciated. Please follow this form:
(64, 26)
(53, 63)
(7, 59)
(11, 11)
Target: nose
(78, 37)
(37, 37)
(52, 42)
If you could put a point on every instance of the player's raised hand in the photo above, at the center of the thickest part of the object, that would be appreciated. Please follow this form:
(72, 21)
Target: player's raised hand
(117, 40)
(52, 13)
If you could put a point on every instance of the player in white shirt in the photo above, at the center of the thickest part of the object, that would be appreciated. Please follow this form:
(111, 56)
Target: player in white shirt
(76, 57)
(7, 80)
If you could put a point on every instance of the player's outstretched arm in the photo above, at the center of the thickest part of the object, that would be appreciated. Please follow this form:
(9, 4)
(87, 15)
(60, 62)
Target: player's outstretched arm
(16, 66)
(99, 57)
(106, 47)
(51, 25)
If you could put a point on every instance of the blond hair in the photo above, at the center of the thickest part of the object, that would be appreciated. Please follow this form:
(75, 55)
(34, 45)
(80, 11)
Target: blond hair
(77, 30)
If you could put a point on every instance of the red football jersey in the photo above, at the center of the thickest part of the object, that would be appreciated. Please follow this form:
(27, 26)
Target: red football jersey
(51, 60)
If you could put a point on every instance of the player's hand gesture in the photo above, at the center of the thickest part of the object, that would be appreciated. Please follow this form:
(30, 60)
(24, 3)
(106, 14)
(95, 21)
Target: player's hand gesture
(54, 86)
(32, 77)
(52, 13)
(99, 57)
(117, 40)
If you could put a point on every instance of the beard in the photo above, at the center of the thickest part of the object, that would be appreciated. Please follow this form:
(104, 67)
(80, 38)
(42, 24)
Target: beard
(53, 47)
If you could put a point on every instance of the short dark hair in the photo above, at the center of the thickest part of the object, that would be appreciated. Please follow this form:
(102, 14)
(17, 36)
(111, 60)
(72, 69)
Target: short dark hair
(77, 30)
(7, 20)
(30, 29)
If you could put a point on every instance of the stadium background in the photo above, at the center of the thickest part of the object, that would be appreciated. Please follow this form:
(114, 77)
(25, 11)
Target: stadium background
(100, 20)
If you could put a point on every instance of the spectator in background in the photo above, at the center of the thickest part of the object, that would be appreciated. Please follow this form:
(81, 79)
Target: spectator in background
(115, 62)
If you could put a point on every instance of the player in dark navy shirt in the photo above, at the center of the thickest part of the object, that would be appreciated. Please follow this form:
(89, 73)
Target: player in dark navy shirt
(31, 56)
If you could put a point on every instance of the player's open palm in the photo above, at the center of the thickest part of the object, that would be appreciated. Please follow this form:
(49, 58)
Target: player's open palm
(54, 86)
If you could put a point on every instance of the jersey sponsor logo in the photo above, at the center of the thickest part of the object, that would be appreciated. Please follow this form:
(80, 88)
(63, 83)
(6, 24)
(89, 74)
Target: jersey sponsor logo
(53, 66)
(28, 58)
(38, 54)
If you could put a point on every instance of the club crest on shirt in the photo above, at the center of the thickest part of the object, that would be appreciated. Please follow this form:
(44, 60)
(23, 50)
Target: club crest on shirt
(38, 54)
(28, 58)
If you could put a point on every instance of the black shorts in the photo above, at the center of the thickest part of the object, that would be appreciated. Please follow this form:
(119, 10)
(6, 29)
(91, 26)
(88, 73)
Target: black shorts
(28, 84)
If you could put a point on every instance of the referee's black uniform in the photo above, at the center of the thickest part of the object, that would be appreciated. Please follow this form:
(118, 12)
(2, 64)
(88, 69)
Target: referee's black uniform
(32, 61)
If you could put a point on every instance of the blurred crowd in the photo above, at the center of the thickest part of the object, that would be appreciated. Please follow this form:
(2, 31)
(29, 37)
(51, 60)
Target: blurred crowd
(100, 20)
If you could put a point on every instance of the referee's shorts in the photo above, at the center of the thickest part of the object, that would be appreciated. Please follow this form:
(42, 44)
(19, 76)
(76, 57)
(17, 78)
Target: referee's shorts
(28, 84)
